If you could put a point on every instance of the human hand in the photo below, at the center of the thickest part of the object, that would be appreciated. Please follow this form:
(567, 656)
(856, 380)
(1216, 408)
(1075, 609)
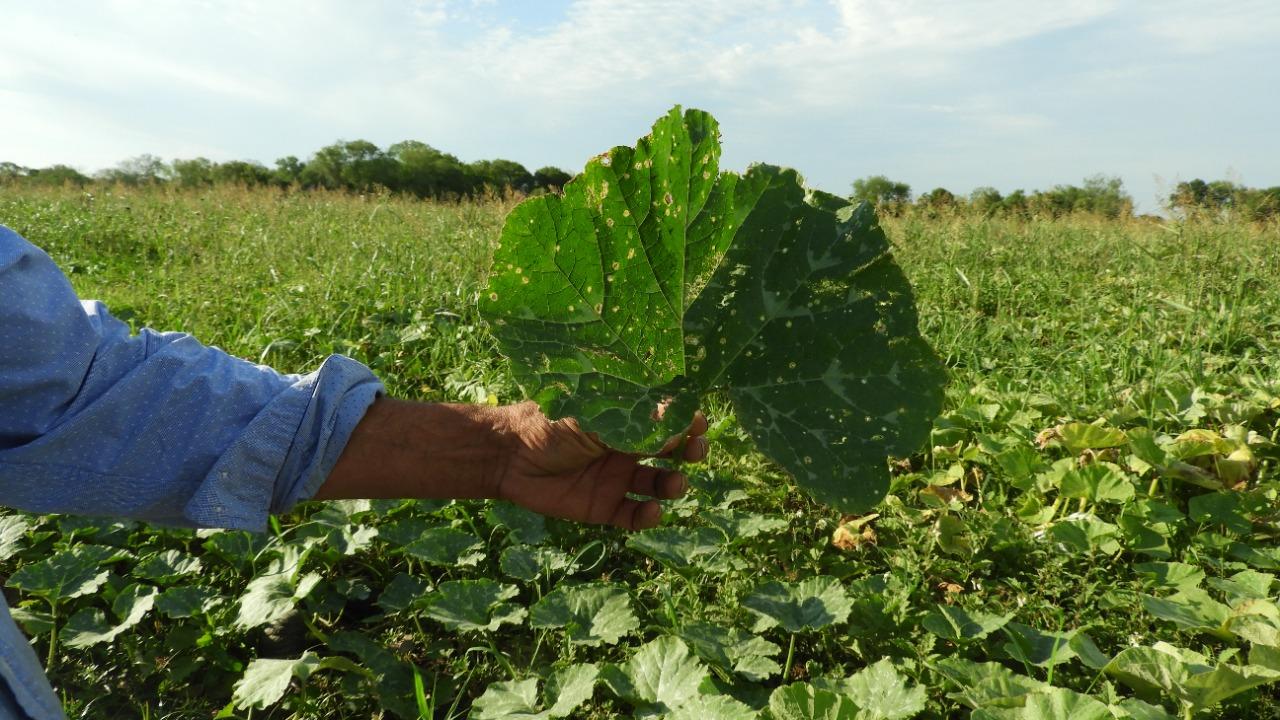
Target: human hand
(556, 469)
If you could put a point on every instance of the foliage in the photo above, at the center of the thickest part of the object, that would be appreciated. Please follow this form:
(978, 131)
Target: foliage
(1073, 342)
(881, 192)
(657, 279)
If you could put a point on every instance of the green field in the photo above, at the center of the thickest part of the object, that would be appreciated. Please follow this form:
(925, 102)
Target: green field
(1102, 480)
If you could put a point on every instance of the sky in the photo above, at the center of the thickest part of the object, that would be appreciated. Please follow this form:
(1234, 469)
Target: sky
(957, 94)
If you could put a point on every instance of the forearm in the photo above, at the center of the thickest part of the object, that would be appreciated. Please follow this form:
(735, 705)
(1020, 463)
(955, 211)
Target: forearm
(404, 449)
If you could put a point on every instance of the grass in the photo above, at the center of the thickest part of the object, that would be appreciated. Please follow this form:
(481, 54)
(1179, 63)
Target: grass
(1139, 325)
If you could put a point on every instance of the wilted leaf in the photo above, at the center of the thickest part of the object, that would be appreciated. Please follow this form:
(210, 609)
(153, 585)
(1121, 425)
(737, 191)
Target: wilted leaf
(1079, 437)
(657, 276)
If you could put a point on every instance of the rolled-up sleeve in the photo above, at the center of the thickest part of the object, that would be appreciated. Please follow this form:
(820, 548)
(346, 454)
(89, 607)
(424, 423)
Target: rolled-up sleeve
(153, 426)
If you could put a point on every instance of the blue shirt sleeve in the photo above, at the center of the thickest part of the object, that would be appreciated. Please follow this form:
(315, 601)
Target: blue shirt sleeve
(155, 426)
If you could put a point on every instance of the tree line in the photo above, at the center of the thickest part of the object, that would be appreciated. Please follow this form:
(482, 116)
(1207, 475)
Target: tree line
(1099, 195)
(356, 165)
(419, 169)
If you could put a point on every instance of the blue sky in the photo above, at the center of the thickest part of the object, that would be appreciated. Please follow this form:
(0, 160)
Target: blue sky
(1009, 93)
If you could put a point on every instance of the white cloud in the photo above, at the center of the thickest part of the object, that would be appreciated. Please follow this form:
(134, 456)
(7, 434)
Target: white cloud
(1200, 28)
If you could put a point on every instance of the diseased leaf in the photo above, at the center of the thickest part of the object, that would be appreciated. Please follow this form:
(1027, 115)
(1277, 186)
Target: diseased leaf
(656, 276)
(810, 604)
(1079, 437)
(590, 614)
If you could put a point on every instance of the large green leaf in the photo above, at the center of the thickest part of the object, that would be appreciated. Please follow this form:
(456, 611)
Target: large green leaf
(657, 276)
(1186, 675)
(810, 604)
(89, 627)
(661, 676)
(68, 574)
(881, 693)
(590, 614)
(957, 624)
(751, 656)
(802, 701)
(472, 605)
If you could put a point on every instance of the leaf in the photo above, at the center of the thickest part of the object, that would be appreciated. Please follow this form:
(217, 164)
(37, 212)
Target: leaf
(656, 276)
(473, 605)
(528, 563)
(186, 601)
(590, 614)
(684, 547)
(167, 566)
(272, 595)
(733, 649)
(66, 574)
(1173, 575)
(1192, 609)
(1097, 482)
(13, 530)
(661, 674)
(1185, 675)
(802, 701)
(1079, 437)
(1086, 534)
(881, 693)
(1222, 508)
(446, 546)
(1246, 584)
(509, 699)
(569, 687)
(739, 525)
(987, 684)
(89, 626)
(1063, 704)
(265, 680)
(954, 623)
(810, 604)
(713, 707)
(523, 526)
(1040, 648)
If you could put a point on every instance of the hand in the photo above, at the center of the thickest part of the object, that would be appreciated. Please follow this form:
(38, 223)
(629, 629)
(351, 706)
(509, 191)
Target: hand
(556, 469)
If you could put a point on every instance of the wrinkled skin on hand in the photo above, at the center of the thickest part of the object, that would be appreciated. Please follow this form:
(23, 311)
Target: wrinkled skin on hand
(556, 469)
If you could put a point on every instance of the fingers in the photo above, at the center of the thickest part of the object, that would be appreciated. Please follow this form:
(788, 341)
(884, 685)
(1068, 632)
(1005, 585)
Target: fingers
(696, 449)
(658, 483)
(637, 515)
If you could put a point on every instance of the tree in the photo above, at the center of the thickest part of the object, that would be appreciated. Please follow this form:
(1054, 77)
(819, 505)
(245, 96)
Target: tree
(193, 173)
(881, 191)
(288, 171)
(145, 169)
(551, 179)
(12, 172)
(353, 165)
(985, 200)
(241, 172)
(428, 172)
(502, 174)
(57, 176)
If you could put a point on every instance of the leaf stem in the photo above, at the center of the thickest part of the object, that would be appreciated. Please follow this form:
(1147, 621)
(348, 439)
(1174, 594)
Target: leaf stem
(791, 653)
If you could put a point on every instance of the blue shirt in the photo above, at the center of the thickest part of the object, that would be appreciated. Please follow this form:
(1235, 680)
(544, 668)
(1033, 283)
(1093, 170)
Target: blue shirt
(155, 426)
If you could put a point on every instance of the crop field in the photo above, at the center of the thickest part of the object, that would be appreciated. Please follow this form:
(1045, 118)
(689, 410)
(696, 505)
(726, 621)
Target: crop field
(1092, 531)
